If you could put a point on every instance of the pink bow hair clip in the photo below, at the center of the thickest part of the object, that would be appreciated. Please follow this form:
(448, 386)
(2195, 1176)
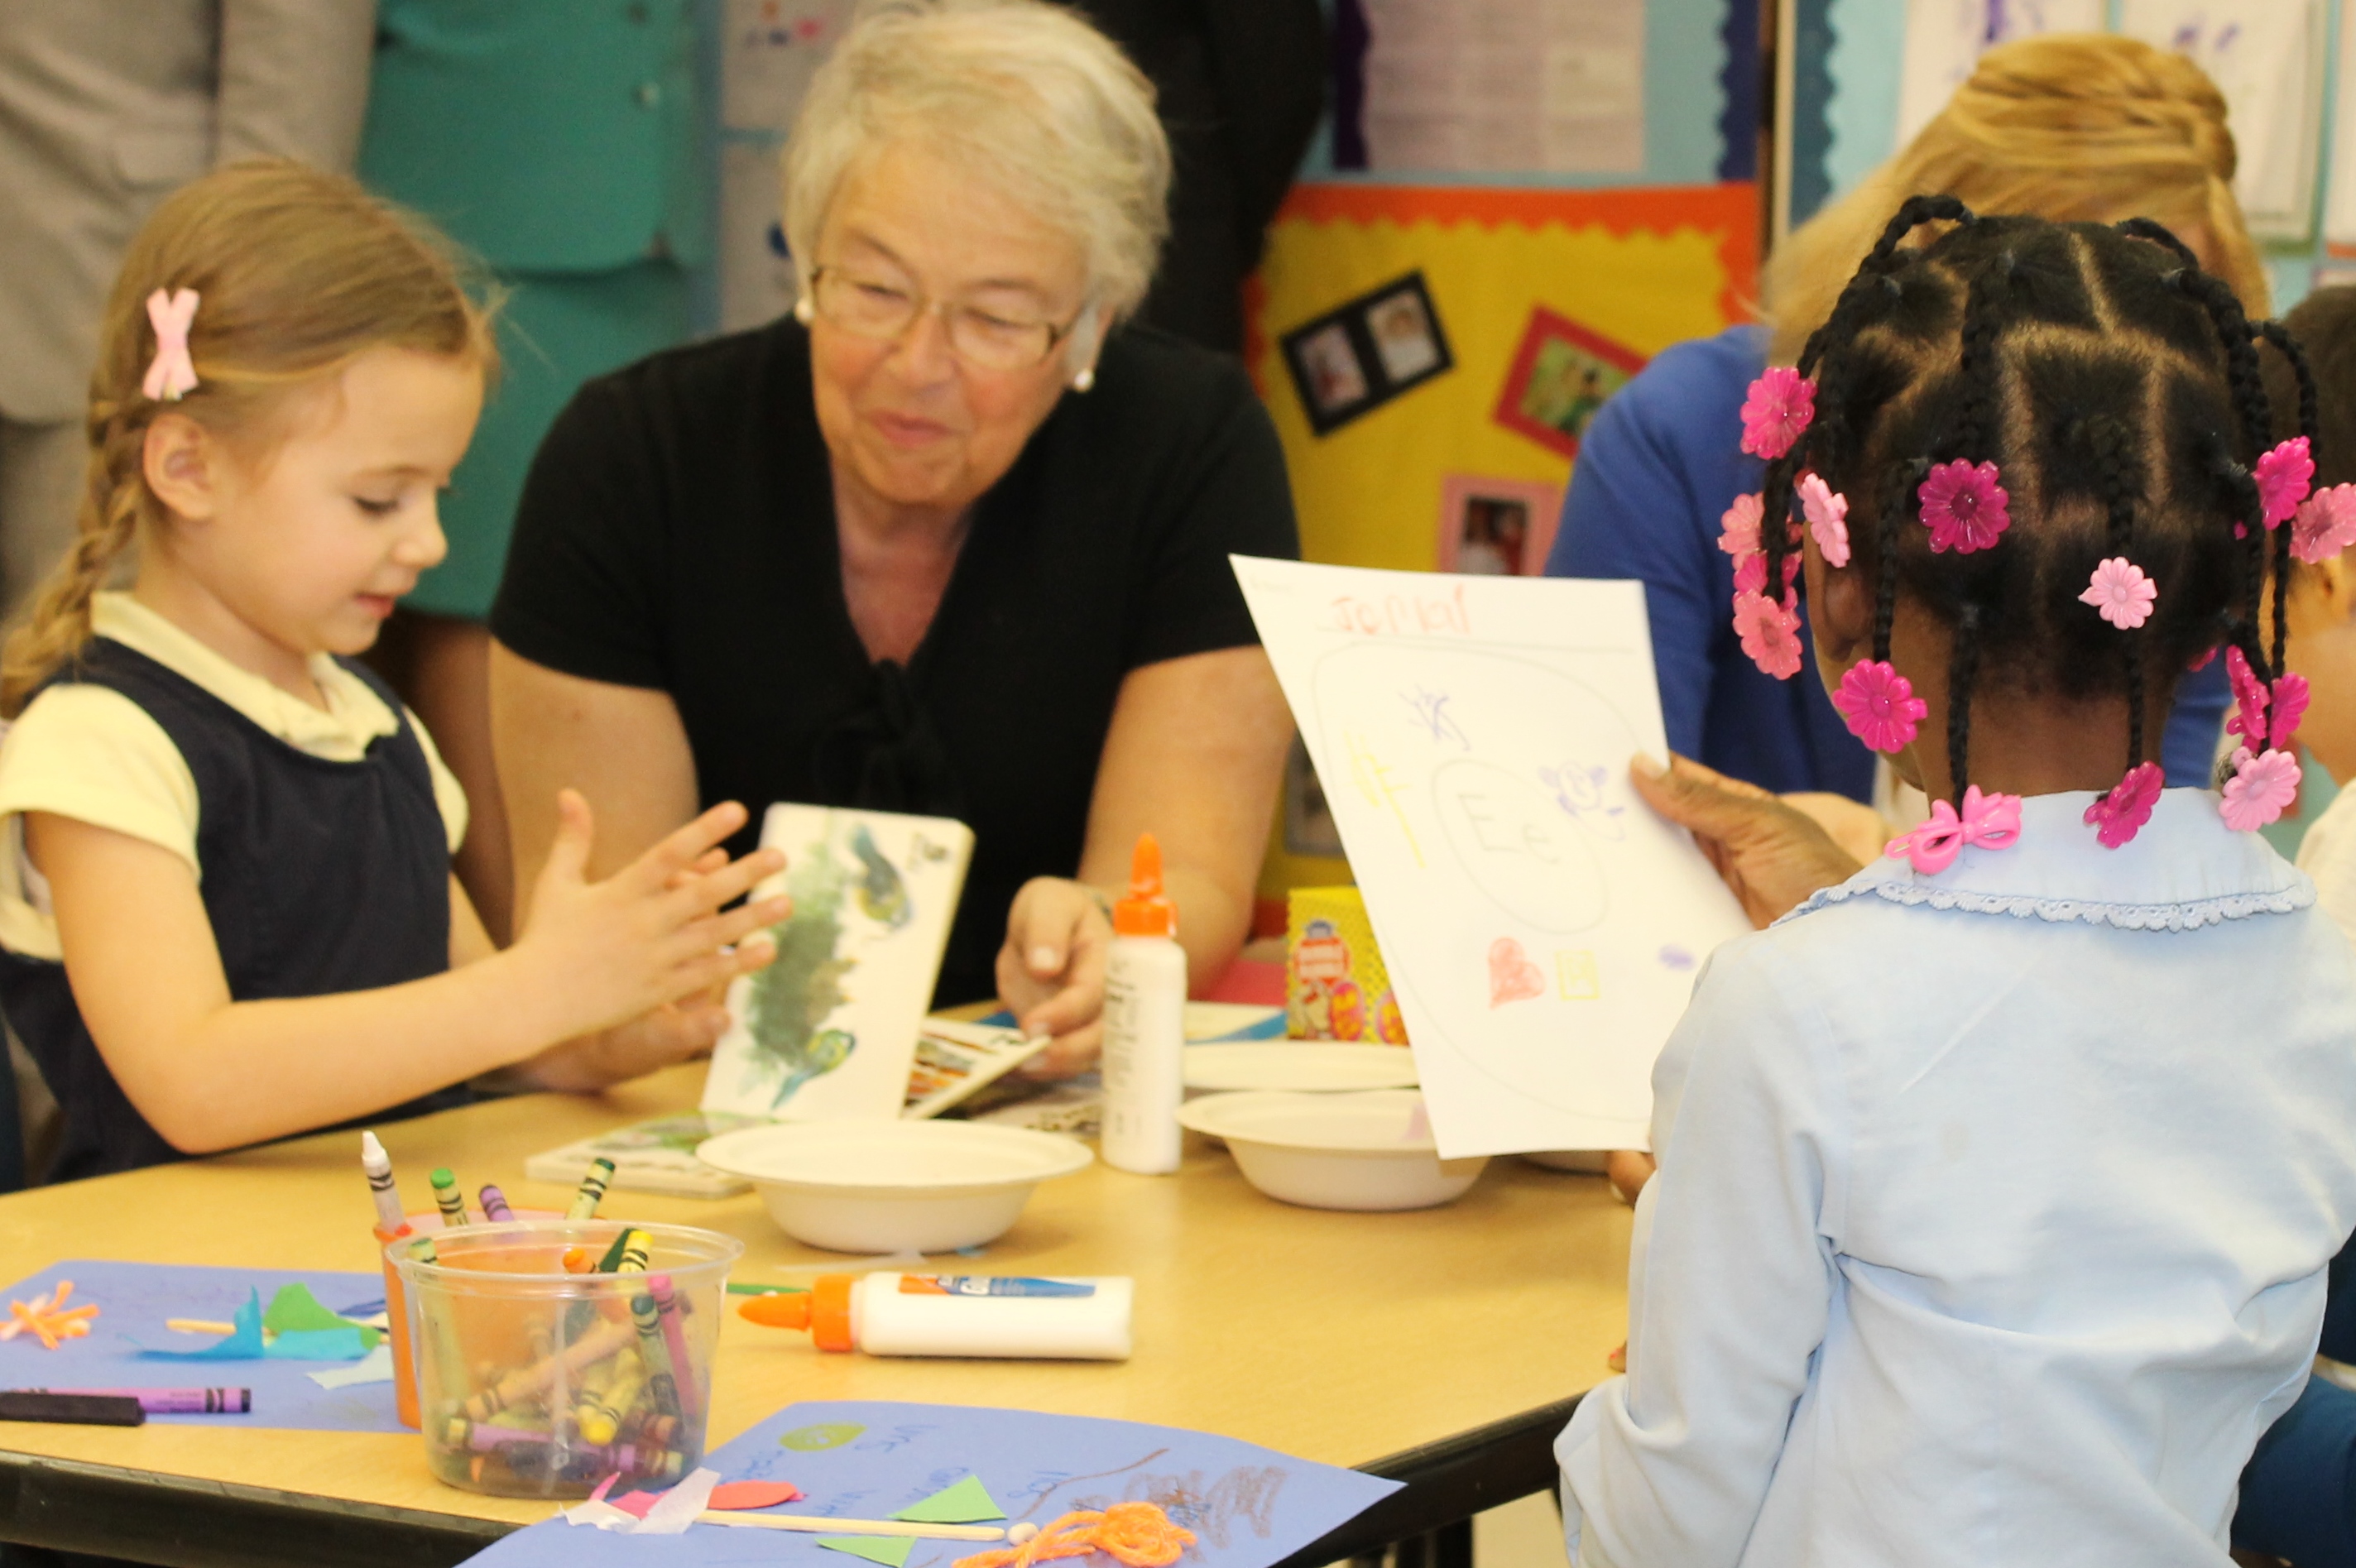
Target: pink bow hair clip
(1988, 821)
(173, 375)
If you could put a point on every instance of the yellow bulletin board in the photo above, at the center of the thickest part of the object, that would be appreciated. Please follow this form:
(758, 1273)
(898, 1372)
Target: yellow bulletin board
(1539, 303)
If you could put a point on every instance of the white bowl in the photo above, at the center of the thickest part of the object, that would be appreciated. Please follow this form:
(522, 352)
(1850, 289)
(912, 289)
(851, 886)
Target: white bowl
(1371, 1150)
(892, 1185)
(1305, 1066)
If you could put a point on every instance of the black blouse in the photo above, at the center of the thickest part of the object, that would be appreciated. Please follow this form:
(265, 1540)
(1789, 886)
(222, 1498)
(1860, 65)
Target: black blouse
(678, 532)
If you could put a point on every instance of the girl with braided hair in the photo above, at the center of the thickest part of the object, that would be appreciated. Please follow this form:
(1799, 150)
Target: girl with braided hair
(1999, 1182)
(226, 907)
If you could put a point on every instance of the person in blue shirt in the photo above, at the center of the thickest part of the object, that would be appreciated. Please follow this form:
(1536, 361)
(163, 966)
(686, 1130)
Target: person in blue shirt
(1999, 1182)
(2066, 126)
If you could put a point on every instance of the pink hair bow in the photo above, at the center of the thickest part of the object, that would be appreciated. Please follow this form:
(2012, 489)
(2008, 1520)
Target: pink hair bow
(1989, 821)
(173, 374)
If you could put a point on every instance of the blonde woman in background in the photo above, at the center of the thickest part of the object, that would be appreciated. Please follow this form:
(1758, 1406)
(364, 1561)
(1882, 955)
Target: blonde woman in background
(2066, 126)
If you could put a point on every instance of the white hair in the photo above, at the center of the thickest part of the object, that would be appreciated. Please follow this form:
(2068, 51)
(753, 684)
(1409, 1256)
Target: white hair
(1032, 99)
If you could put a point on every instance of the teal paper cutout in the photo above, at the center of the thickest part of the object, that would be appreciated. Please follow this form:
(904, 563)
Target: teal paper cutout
(967, 1502)
(892, 1551)
(244, 1344)
(812, 1439)
(345, 1344)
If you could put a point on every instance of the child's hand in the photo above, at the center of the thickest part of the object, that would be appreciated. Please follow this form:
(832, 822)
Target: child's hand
(601, 954)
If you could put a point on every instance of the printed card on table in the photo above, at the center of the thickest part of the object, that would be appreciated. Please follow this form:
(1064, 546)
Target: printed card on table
(1542, 927)
(829, 1029)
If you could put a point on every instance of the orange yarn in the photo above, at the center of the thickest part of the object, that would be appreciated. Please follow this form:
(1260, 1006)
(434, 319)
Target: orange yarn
(1138, 1534)
(47, 1316)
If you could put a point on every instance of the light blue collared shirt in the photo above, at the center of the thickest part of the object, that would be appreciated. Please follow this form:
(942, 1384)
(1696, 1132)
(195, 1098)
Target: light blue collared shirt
(1992, 1214)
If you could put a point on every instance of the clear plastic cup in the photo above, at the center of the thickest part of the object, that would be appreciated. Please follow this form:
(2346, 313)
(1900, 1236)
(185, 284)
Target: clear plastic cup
(534, 1381)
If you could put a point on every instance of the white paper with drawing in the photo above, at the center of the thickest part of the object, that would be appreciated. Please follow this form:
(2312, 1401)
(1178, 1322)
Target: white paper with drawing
(1542, 926)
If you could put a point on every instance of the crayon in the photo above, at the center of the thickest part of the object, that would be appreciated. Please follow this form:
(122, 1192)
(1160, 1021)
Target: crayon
(171, 1401)
(70, 1409)
(495, 1206)
(377, 1166)
(551, 1373)
(612, 1262)
(577, 1260)
(636, 1246)
(598, 1416)
(391, 1225)
(593, 1189)
(452, 1201)
(647, 1319)
(682, 1368)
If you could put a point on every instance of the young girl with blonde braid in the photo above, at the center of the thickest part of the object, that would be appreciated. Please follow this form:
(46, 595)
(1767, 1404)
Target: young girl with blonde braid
(225, 898)
(1997, 1184)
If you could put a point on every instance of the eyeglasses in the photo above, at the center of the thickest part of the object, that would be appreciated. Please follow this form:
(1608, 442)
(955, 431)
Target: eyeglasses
(882, 308)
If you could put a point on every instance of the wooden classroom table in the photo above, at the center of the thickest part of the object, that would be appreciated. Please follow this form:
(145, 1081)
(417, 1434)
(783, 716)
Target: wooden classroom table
(1443, 1348)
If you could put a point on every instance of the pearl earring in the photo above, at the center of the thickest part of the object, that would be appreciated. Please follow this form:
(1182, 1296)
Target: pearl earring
(1085, 379)
(803, 311)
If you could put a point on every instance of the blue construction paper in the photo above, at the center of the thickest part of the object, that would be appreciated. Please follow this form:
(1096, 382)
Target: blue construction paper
(133, 1300)
(1249, 1505)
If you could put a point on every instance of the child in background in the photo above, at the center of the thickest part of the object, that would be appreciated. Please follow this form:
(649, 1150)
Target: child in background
(226, 903)
(1998, 1183)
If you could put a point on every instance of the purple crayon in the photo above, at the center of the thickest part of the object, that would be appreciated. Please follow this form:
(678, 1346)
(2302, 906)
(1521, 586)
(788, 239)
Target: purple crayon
(495, 1206)
(682, 1370)
(175, 1401)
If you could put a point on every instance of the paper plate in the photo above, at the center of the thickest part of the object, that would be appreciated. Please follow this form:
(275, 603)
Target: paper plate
(1303, 1066)
(1370, 1150)
(887, 1186)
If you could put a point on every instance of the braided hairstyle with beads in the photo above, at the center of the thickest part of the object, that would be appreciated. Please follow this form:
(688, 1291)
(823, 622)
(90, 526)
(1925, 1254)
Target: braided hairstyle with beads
(2100, 401)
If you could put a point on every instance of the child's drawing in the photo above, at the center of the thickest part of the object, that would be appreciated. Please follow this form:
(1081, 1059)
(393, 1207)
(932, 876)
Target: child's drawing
(830, 1028)
(1531, 900)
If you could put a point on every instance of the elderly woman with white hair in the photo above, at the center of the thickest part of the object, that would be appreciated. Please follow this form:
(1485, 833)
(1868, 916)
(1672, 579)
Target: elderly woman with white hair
(950, 540)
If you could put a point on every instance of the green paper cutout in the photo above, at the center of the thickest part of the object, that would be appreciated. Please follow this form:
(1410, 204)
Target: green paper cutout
(294, 1310)
(967, 1502)
(812, 1439)
(892, 1551)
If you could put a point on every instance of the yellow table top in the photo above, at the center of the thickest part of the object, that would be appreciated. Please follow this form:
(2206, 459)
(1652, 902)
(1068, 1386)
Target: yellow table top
(1336, 1337)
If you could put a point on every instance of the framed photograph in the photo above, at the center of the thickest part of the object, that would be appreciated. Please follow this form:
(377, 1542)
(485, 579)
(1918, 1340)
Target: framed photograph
(1362, 353)
(1562, 374)
(1496, 528)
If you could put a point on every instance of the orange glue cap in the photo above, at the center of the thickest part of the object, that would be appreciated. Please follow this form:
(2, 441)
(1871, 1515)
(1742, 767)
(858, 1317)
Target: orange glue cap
(824, 1309)
(1147, 910)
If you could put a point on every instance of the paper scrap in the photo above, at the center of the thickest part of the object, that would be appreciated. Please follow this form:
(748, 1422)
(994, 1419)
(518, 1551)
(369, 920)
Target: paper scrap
(967, 1502)
(889, 1550)
(242, 1344)
(730, 1496)
(376, 1366)
(678, 1507)
(294, 1310)
(341, 1342)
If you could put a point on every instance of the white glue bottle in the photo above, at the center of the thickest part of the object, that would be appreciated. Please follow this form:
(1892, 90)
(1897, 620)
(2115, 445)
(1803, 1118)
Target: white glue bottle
(957, 1315)
(1144, 1024)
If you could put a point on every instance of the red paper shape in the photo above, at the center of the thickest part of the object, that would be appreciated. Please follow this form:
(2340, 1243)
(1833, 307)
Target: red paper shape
(734, 1496)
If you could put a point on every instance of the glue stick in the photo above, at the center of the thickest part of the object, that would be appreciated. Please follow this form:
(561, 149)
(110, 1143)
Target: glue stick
(957, 1315)
(1144, 1023)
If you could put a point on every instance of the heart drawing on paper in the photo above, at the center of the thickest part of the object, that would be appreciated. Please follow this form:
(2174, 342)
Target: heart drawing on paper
(1512, 976)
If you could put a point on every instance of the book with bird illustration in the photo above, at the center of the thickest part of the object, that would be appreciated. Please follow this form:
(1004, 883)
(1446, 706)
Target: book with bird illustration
(828, 1030)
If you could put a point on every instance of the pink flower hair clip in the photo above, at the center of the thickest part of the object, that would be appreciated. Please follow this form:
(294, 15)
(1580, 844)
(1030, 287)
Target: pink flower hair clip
(1750, 572)
(2117, 816)
(1878, 706)
(1769, 633)
(1987, 821)
(1776, 411)
(2263, 715)
(1827, 513)
(2324, 524)
(2121, 593)
(1964, 506)
(2284, 474)
(172, 375)
(1738, 528)
(2262, 788)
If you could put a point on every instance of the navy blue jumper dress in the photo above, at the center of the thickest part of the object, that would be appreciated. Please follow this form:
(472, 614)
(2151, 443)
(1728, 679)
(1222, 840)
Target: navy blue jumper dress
(319, 876)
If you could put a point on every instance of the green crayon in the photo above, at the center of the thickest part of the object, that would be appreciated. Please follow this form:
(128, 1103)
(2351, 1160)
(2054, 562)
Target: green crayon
(646, 1316)
(593, 1189)
(452, 1202)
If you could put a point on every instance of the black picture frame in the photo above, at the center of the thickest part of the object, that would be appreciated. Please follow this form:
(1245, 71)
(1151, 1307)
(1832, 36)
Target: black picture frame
(1366, 351)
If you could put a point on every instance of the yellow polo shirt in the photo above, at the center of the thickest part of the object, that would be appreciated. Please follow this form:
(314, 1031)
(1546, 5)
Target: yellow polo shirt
(91, 753)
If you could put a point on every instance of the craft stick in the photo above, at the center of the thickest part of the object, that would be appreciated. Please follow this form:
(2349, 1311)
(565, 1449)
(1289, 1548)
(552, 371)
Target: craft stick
(198, 1326)
(600, 1342)
(818, 1524)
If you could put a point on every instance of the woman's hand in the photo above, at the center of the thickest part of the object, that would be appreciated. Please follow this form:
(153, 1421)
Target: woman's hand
(599, 955)
(1051, 972)
(1772, 855)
